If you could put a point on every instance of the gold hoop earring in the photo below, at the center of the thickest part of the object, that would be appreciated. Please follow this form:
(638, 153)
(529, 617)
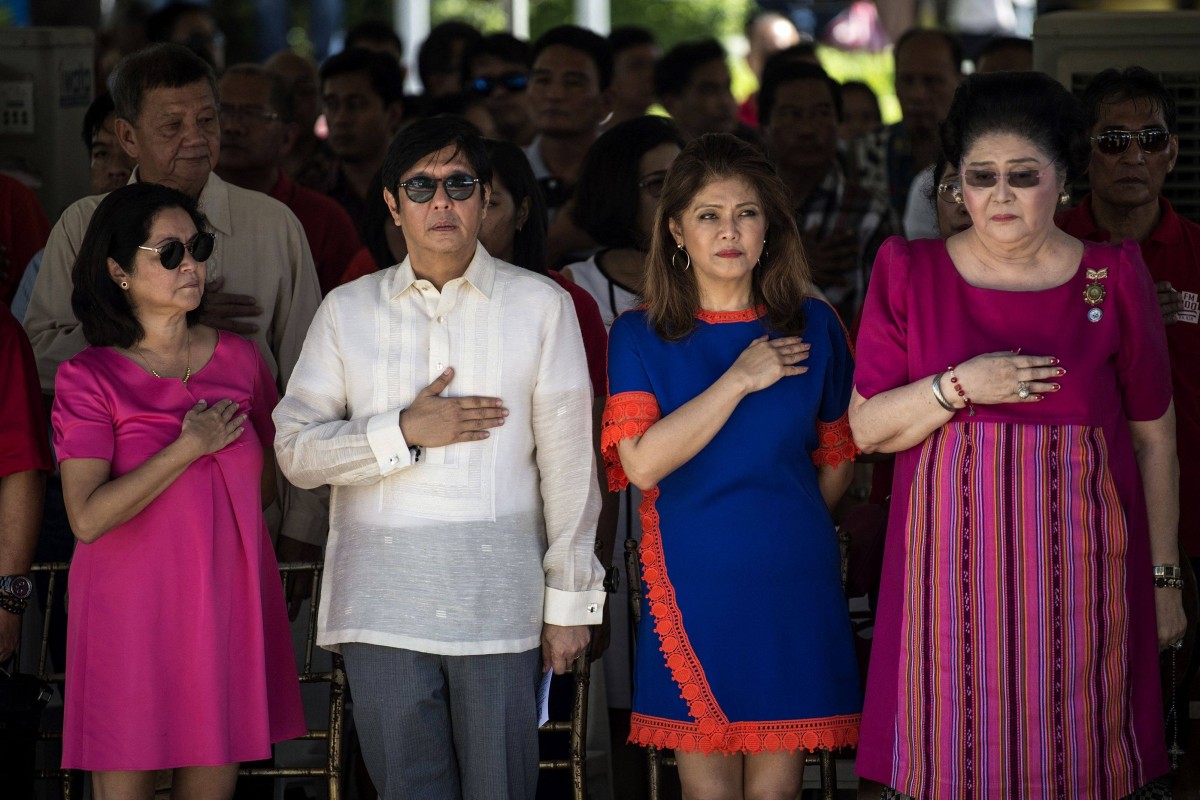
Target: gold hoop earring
(679, 249)
(1064, 198)
(124, 284)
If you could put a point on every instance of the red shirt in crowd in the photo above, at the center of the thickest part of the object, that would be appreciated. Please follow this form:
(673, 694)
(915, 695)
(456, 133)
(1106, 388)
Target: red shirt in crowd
(331, 234)
(24, 440)
(24, 230)
(1172, 252)
(591, 325)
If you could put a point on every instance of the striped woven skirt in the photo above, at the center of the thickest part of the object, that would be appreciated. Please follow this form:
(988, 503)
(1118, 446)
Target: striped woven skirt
(1014, 668)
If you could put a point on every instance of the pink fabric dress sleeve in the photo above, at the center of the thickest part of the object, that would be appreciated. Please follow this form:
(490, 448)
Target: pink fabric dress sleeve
(882, 344)
(1143, 364)
(83, 416)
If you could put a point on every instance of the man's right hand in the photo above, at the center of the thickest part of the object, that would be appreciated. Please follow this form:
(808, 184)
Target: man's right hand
(435, 421)
(1170, 302)
(221, 309)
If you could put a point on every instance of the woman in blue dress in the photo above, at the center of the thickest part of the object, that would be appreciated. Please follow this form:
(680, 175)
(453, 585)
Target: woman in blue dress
(727, 407)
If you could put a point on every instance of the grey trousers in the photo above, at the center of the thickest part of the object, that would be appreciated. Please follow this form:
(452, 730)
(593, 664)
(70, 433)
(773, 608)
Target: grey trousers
(446, 727)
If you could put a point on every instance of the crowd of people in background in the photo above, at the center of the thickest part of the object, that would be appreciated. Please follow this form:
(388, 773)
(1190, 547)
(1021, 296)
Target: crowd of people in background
(459, 345)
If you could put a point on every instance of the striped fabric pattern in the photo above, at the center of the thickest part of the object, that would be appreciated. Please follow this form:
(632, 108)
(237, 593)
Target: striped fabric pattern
(1015, 623)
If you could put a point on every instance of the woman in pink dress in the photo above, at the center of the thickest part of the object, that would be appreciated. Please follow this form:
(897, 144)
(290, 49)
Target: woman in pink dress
(178, 650)
(1021, 377)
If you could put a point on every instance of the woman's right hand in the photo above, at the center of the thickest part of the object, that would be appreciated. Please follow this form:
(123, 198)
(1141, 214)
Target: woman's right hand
(767, 360)
(994, 378)
(207, 430)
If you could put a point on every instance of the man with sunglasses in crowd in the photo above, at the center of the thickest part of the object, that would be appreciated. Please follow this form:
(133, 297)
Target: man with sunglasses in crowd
(447, 402)
(262, 283)
(1133, 122)
(496, 68)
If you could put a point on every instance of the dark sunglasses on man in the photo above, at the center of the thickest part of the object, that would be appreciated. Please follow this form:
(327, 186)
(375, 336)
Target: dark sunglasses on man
(511, 81)
(422, 188)
(1151, 140)
(171, 254)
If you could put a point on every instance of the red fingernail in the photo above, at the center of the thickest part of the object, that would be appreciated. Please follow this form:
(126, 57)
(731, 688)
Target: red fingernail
(1062, 372)
(1040, 397)
(1056, 387)
(1053, 362)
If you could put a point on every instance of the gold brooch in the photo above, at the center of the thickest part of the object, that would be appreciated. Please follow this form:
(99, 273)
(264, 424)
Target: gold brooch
(1093, 293)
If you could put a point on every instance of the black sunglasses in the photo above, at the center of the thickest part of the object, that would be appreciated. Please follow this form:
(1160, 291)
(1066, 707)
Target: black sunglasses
(422, 188)
(171, 253)
(511, 81)
(1151, 140)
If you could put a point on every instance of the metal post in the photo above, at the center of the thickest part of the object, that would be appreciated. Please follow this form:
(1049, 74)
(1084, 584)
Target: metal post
(412, 17)
(594, 15)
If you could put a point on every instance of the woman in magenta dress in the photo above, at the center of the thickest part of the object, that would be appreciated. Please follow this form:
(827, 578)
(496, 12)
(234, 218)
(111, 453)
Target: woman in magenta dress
(178, 650)
(1021, 377)
(727, 408)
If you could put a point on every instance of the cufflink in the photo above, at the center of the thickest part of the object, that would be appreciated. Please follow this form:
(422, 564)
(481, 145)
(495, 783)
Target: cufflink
(592, 608)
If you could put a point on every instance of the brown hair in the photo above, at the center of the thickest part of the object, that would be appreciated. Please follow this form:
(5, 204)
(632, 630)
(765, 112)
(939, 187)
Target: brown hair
(780, 281)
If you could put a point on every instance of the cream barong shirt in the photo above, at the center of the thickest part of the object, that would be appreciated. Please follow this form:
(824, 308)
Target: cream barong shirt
(470, 549)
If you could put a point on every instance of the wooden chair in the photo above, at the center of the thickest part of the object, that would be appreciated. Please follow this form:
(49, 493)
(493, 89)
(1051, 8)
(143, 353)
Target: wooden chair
(331, 771)
(576, 729)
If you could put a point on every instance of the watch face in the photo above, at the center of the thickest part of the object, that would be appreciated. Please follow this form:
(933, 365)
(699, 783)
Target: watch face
(21, 587)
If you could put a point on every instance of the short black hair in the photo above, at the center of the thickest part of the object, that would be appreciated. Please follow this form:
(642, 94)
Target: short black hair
(624, 37)
(93, 118)
(387, 79)
(436, 54)
(998, 43)
(779, 73)
(590, 43)
(500, 46)
(373, 30)
(280, 98)
(674, 71)
(952, 43)
(511, 167)
(606, 197)
(1031, 105)
(161, 23)
(424, 138)
(119, 225)
(158, 66)
(1132, 83)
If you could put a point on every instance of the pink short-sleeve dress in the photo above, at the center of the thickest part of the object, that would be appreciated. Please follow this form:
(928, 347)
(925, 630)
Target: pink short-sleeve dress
(178, 646)
(1015, 652)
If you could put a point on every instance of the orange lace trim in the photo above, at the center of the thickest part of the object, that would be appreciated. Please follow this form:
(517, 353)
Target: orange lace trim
(686, 671)
(626, 415)
(836, 442)
(744, 315)
(827, 733)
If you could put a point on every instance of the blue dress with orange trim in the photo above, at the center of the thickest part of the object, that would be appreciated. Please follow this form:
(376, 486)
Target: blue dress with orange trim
(745, 642)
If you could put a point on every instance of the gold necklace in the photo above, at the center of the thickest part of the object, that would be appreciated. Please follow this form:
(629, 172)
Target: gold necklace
(187, 372)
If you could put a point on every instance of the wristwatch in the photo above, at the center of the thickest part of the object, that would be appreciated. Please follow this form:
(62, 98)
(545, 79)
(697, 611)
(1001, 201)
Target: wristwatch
(17, 586)
(612, 580)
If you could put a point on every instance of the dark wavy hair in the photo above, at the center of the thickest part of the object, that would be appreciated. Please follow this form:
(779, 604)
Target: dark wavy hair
(1131, 83)
(511, 167)
(1031, 105)
(607, 195)
(782, 279)
(120, 224)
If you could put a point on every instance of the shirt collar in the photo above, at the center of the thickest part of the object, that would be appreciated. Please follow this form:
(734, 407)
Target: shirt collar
(213, 202)
(480, 274)
(1082, 223)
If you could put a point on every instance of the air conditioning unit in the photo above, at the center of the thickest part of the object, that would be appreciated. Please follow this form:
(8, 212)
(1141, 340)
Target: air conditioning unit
(45, 90)
(1074, 46)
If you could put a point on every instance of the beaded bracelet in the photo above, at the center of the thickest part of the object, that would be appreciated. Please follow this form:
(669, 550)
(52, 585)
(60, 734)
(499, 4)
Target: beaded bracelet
(940, 396)
(961, 391)
(1168, 576)
(12, 604)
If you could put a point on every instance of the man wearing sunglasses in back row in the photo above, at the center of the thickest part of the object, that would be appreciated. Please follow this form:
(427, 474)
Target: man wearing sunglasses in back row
(496, 68)
(447, 402)
(1134, 139)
